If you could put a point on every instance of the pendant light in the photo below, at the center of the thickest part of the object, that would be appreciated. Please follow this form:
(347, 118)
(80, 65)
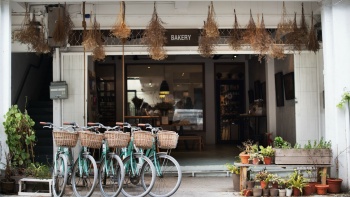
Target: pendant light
(164, 87)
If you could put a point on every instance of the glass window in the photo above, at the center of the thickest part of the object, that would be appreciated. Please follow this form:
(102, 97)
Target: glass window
(183, 104)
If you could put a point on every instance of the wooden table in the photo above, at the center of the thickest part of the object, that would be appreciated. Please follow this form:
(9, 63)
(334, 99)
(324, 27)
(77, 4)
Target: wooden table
(244, 170)
(143, 119)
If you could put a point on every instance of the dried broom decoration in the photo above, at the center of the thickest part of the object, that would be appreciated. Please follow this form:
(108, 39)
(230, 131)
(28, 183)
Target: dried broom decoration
(41, 46)
(277, 51)
(211, 26)
(90, 38)
(21, 34)
(154, 37)
(313, 44)
(303, 31)
(63, 26)
(294, 38)
(120, 29)
(249, 33)
(99, 51)
(206, 45)
(235, 40)
(284, 27)
(262, 41)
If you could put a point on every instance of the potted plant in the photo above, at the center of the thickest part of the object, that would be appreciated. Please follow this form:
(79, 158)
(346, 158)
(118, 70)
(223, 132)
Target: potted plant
(7, 183)
(37, 171)
(262, 176)
(256, 158)
(20, 136)
(267, 153)
(246, 149)
(257, 191)
(164, 108)
(235, 171)
(297, 181)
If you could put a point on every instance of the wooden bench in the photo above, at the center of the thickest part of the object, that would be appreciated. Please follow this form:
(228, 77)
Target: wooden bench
(22, 186)
(244, 169)
(198, 140)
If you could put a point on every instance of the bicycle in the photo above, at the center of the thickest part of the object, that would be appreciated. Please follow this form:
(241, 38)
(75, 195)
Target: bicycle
(111, 170)
(140, 172)
(63, 159)
(84, 172)
(168, 170)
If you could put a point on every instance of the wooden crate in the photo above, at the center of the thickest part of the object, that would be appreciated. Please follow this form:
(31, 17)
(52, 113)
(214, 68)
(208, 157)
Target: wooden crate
(303, 156)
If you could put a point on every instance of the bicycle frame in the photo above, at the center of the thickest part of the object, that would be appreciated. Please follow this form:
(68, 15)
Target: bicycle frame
(83, 166)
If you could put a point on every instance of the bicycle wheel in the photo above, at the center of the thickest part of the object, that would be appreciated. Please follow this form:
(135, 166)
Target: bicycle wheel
(59, 175)
(168, 178)
(84, 176)
(134, 166)
(111, 176)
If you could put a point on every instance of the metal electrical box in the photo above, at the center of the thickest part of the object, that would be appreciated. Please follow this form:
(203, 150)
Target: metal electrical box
(58, 90)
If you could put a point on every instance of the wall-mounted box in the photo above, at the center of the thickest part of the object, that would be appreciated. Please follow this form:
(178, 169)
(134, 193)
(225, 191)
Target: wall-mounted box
(58, 90)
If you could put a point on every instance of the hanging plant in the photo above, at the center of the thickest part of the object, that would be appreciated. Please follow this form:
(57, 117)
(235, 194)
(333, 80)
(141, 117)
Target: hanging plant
(99, 51)
(249, 33)
(313, 44)
(235, 40)
(303, 31)
(154, 37)
(211, 26)
(28, 30)
(120, 29)
(294, 38)
(277, 51)
(262, 41)
(90, 38)
(209, 35)
(63, 26)
(41, 46)
(284, 27)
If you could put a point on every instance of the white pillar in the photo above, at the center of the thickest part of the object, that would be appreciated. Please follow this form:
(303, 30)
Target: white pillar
(270, 96)
(5, 73)
(336, 47)
(57, 103)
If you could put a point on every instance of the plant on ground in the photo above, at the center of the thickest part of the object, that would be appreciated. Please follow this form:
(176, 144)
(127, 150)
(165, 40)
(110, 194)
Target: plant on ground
(297, 180)
(38, 170)
(20, 136)
(232, 168)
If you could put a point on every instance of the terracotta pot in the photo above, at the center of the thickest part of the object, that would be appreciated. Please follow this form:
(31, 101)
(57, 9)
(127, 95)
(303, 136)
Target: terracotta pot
(263, 184)
(296, 191)
(256, 161)
(334, 185)
(312, 185)
(307, 190)
(321, 189)
(244, 158)
(257, 192)
(274, 185)
(236, 182)
(247, 192)
(267, 160)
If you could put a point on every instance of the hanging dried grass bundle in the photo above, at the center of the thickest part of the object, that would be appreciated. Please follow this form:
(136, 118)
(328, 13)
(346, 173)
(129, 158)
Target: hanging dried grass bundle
(120, 29)
(91, 36)
(262, 41)
(211, 27)
(206, 45)
(41, 46)
(284, 27)
(235, 40)
(304, 30)
(154, 37)
(21, 34)
(277, 51)
(249, 33)
(99, 53)
(313, 44)
(294, 38)
(63, 26)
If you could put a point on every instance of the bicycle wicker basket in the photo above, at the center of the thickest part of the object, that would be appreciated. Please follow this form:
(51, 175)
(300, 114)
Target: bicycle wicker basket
(143, 139)
(90, 139)
(117, 139)
(167, 139)
(65, 138)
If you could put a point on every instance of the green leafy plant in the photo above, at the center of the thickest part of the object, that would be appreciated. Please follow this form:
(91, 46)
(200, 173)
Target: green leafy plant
(247, 147)
(232, 168)
(262, 175)
(20, 136)
(38, 170)
(267, 152)
(297, 180)
(280, 143)
(345, 99)
(256, 155)
(321, 144)
(273, 178)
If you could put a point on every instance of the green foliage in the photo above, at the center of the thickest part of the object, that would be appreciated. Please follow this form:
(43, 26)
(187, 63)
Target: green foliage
(267, 152)
(318, 144)
(232, 168)
(20, 136)
(38, 170)
(280, 143)
(262, 175)
(297, 180)
(345, 98)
